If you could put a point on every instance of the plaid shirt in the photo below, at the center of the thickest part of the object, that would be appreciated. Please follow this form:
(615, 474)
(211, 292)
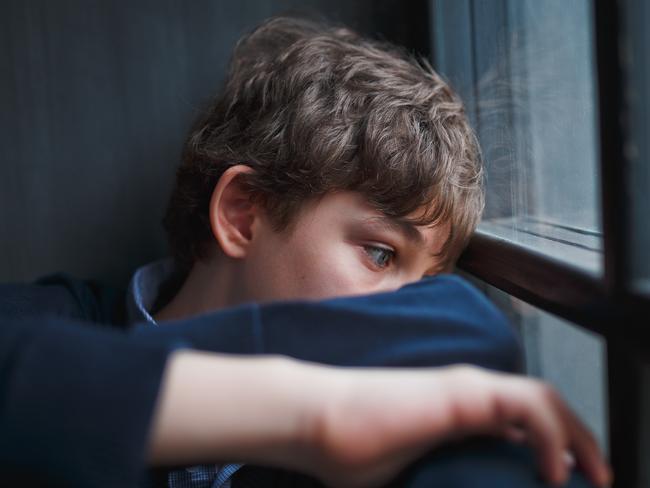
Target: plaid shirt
(142, 294)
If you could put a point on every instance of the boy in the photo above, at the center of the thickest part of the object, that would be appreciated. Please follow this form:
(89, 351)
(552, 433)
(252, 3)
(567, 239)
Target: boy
(329, 166)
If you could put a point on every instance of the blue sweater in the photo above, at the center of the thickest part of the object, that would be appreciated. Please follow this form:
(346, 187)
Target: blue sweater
(78, 388)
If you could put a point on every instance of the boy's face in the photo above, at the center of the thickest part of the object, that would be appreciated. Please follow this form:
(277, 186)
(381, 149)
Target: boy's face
(338, 246)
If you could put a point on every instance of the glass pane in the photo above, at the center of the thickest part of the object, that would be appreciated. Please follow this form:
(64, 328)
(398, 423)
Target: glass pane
(532, 91)
(571, 359)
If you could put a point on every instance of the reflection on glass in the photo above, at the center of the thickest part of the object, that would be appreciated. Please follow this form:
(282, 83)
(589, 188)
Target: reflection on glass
(531, 91)
(570, 358)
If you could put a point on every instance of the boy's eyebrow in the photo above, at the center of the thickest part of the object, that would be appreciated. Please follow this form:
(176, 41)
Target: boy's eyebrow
(404, 227)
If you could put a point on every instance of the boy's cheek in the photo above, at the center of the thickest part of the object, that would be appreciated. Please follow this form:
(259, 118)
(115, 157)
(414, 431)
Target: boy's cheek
(316, 261)
(342, 277)
(337, 271)
(311, 274)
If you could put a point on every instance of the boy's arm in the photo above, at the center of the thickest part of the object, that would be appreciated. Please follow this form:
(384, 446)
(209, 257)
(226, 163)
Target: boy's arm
(354, 427)
(433, 322)
(78, 403)
(77, 392)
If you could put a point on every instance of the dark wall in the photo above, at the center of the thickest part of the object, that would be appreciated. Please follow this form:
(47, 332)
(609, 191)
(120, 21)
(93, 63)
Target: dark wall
(95, 100)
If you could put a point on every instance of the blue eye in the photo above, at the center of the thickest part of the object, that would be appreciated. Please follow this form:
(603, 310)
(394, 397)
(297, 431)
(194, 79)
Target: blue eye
(380, 256)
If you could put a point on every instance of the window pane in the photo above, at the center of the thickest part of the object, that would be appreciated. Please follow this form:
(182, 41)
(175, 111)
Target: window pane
(531, 88)
(571, 359)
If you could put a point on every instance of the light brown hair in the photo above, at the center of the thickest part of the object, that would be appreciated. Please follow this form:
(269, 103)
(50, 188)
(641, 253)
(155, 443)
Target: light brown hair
(312, 109)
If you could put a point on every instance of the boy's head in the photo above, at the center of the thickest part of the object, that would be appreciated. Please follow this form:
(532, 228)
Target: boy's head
(328, 164)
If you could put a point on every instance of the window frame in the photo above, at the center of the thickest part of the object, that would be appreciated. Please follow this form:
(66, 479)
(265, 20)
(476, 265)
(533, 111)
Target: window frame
(608, 304)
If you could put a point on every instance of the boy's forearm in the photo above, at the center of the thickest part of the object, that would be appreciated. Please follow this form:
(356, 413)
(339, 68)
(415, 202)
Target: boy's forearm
(229, 408)
(356, 427)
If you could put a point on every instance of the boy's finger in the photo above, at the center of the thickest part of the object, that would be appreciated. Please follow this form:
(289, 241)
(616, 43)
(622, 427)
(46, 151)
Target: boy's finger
(548, 437)
(586, 450)
(511, 433)
(514, 433)
(569, 460)
(531, 405)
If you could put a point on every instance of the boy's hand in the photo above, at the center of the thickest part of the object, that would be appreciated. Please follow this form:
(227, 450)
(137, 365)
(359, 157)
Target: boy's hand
(353, 427)
(379, 420)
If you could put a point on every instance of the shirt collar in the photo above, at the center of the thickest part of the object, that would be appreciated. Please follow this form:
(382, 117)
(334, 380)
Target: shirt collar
(143, 290)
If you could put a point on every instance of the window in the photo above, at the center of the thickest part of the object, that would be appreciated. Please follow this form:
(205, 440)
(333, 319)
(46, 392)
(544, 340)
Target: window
(558, 94)
(529, 82)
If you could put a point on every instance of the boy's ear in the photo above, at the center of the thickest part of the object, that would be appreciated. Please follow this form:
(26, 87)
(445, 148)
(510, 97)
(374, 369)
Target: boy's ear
(232, 212)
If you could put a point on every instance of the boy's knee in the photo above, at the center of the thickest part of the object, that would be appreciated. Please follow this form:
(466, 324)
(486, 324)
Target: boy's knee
(486, 463)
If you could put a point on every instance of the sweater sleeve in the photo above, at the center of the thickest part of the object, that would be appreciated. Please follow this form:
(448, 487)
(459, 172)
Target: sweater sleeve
(76, 399)
(76, 402)
(434, 322)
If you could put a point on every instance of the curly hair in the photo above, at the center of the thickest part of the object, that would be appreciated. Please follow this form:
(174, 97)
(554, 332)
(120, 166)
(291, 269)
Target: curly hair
(314, 108)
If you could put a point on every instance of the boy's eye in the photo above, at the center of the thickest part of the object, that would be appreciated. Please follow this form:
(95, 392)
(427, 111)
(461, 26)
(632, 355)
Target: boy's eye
(380, 256)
